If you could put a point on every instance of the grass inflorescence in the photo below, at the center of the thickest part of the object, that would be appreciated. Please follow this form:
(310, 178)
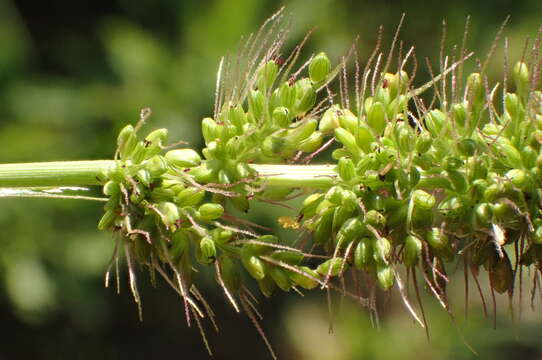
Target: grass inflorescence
(418, 183)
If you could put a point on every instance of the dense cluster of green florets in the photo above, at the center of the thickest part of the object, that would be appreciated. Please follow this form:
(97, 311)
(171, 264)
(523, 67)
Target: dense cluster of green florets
(414, 186)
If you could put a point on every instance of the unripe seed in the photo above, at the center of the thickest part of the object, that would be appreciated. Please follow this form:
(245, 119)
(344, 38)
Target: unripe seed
(330, 119)
(288, 257)
(304, 281)
(518, 178)
(474, 91)
(512, 104)
(267, 286)
(376, 118)
(521, 76)
(364, 138)
(348, 140)
(466, 147)
(159, 194)
(459, 182)
(423, 143)
(412, 250)
(375, 219)
(348, 121)
(280, 277)
(208, 249)
(494, 192)
(382, 250)
(222, 236)
(385, 276)
(126, 141)
(336, 264)
(302, 131)
(310, 204)
(281, 116)
(107, 220)
(322, 232)
(254, 266)
(312, 143)
(169, 212)
(346, 169)
(459, 112)
(144, 177)
(351, 228)
(334, 195)
(210, 130)
(206, 172)
(423, 199)
(319, 68)
(483, 213)
(287, 94)
(436, 122)
(183, 158)
(190, 196)
(452, 208)
(306, 96)
(511, 156)
(210, 211)
(256, 104)
(238, 117)
(111, 188)
(363, 254)
(267, 75)
(436, 238)
(156, 166)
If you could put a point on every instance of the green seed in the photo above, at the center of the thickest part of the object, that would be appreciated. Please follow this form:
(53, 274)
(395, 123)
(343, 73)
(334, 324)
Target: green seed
(107, 220)
(330, 120)
(267, 286)
(436, 238)
(346, 169)
(254, 266)
(256, 104)
(304, 281)
(210, 211)
(336, 264)
(183, 158)
(156, 166)
(306, 96)
(376, 118)
(190, 196)
(267, 75)
(385, 276)
(382, 250)
(169, 212)
(281, 117)
(412, 250)
(280, 277)
(363, 254)
(423, 199)
(319, 68)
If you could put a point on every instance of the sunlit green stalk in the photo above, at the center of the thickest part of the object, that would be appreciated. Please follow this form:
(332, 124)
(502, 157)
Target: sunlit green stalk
(92, 172)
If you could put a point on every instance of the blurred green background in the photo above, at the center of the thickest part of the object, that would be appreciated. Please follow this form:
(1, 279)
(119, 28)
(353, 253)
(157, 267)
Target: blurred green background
(72, 73)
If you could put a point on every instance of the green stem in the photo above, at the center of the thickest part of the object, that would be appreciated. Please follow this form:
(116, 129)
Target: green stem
(57, 173)
(92, 172)
(302, 176)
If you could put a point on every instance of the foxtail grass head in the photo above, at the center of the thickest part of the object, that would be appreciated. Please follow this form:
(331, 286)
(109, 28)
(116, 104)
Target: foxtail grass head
(416, 187)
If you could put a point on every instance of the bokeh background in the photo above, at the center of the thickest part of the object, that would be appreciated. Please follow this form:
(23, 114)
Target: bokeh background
(72, 73)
